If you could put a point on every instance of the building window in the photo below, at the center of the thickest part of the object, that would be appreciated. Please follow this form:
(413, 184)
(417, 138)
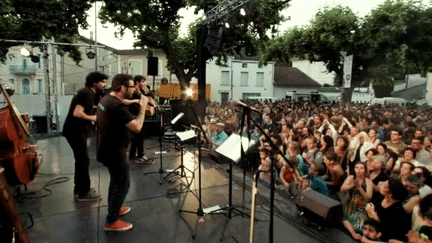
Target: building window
(244, 79)
(224, 97)
(260, 79)
(25, 87)
(225, 79)
(244, 65)
(40, 86)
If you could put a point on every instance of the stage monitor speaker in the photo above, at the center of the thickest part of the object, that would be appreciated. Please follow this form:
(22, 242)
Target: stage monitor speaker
(152, 67)
(322, 208)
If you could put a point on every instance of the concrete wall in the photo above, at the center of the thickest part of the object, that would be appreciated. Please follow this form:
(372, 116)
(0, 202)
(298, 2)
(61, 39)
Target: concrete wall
(35, 105)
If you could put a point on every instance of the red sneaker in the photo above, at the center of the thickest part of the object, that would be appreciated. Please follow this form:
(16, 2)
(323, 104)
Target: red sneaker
(118, 225)
(124, 210)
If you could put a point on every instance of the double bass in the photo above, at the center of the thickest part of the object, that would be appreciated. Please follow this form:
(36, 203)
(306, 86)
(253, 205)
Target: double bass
(17, 155)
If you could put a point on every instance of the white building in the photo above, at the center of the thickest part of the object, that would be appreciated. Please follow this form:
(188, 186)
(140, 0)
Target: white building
(239, 79)
(316, 70)
(21, 73)
(135, 62)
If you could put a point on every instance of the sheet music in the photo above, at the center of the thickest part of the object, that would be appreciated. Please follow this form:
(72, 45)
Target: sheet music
(186, 135)
(173, 121)
(231, 147)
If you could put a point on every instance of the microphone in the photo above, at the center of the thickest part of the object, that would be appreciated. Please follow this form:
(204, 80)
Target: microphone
(146, 91)
(239, 103)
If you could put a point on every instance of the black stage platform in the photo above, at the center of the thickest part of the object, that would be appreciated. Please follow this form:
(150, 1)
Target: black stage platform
(155, 213)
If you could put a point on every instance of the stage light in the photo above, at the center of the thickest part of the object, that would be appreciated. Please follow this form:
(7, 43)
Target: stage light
(242, 12)
(189, 92)
(90, 54)
(25, 52)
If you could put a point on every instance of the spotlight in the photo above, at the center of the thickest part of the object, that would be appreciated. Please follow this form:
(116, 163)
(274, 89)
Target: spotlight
(189, 92)
(227, 25)
(25, 52)
(90, 54)
(34, 58)
(242, 12)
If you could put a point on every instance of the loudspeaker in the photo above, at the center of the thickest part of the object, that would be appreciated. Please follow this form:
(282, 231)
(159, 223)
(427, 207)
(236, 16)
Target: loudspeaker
(324, 209)
(152, 67)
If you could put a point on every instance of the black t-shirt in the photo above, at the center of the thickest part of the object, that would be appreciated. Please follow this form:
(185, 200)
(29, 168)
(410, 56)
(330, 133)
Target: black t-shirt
(135, 108)
(113, 136)
(87, 99)
(394, 222)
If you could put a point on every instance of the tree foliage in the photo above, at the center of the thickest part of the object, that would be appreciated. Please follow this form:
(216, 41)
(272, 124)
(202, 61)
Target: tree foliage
(31, 20)
(395, 38)
(155, 23)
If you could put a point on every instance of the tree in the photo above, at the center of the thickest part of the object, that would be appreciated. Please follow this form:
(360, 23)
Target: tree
(31, 20)
(381, 43)
(156, 25)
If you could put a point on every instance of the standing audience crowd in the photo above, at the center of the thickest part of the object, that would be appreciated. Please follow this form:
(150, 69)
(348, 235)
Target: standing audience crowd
(375, 160)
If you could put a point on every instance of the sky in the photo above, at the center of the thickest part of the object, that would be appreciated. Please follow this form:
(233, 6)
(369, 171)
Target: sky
(300, 12)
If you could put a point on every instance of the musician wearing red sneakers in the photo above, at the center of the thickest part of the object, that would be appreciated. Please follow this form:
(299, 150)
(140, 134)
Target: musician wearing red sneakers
(114, 123)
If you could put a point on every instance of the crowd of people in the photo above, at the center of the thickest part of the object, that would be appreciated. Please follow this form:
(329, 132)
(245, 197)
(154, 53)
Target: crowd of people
(375, 160)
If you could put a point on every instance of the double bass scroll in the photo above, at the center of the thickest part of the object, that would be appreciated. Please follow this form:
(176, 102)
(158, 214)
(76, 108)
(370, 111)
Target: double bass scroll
(17, 156)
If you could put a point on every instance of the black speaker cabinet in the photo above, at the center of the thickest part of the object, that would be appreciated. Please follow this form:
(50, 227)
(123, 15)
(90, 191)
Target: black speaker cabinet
(322, 208)
(152, 67)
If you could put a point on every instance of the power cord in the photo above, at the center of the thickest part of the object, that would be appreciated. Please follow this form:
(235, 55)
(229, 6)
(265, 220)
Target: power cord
(59, 180)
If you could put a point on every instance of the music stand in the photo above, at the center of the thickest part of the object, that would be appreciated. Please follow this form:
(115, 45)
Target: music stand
(173, 121)
(200, 211)
(232, 150)
(180, 170)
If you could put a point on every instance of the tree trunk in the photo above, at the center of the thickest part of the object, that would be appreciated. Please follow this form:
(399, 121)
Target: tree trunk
(347, 95)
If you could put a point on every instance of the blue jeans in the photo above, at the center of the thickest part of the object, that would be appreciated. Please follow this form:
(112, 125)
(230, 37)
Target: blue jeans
(118, 187)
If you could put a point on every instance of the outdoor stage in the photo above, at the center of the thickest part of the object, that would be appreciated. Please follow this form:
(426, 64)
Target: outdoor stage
(155, 213)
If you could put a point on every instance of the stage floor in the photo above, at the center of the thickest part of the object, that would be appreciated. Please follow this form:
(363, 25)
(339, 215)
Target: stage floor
(155, 207)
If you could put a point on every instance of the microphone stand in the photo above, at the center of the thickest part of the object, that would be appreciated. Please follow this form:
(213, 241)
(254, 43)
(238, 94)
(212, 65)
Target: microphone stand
(230, 207)
(200, 210)
(272, 179)
(163, 112)
(181, 169)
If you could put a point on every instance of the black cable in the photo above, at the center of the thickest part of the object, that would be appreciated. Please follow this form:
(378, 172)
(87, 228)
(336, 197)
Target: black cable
(44, 188)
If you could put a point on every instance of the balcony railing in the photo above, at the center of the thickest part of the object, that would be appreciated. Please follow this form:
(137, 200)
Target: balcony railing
(22, 70)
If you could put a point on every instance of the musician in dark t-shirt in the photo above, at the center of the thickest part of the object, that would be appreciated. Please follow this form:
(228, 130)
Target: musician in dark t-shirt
(114, 126)
(77, 128)
(136, 152)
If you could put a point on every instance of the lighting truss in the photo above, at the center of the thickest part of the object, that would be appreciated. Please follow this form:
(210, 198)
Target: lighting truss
(218, 12)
